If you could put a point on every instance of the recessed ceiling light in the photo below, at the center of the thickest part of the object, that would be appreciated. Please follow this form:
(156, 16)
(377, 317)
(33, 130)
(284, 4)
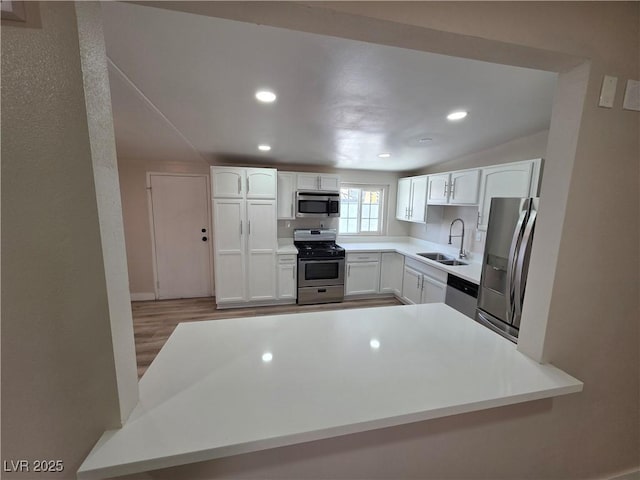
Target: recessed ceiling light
(374, 343)
(384, 155)
(459, 115)
(425, 140)
(264, 148)
(267, 357)
(265, 96)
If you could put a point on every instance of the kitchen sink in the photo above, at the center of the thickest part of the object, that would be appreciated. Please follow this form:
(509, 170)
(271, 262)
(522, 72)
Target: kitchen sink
(442, 258)
(452, 263)
(438, 257)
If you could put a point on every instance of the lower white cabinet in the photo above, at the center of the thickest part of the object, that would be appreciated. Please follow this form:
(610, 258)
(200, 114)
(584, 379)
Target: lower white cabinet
(363, 274)
(287, 277)
(423, 283)
(391, 273)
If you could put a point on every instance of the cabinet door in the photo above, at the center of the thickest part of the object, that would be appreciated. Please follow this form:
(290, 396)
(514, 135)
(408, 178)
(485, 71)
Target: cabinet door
(261, 249)
(411, 285)
(432, 290)
(417, 210)
(438, 191)
(403, 198)
(229, 239)
(512, 180)
(308, 181)
(330, 183)
(464, 187)
(362, 278)
(227, 182)
(261, 183)
(287, 281)
(391, 271)
(286, 192)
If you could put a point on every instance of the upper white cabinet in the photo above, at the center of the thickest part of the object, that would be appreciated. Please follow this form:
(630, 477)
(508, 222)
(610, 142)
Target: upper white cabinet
(232, 182)
(454, 188)
(261, 183)
(518, 179)
(318, 181)
(286, 195)
(228, 182)
(411, 199)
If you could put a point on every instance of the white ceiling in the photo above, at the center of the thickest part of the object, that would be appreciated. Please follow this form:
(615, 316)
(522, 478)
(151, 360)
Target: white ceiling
(183, 88)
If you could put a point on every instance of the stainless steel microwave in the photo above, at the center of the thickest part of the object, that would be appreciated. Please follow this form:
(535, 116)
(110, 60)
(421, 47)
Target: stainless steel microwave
(317, 204)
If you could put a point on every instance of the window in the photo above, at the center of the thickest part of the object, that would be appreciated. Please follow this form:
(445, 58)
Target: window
(361, 209)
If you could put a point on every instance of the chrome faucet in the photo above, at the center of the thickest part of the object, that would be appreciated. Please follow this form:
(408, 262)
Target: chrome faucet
(462, 253)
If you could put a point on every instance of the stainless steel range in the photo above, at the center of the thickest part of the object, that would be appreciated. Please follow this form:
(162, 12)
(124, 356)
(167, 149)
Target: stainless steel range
(320, 266)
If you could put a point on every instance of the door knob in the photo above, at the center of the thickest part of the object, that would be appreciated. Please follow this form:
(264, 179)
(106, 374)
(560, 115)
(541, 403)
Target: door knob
(204, 239)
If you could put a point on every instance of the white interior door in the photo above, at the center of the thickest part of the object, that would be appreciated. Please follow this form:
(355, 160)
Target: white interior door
(181, 233)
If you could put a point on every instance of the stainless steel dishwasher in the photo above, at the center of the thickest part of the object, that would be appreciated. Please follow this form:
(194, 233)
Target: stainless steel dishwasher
(462, 295)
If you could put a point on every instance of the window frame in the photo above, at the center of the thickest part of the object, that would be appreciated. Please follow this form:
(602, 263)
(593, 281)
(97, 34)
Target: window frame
(382, 217)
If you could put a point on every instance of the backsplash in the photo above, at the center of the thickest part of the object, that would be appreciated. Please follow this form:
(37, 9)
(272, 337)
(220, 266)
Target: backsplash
(439, 232)
(286, 227)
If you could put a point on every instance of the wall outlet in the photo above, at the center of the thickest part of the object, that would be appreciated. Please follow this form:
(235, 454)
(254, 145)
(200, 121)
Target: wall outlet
(632, 96)
(608, 91)
(478, 236)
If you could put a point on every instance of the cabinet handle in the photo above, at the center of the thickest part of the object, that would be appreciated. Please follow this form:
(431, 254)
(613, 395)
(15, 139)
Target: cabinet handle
(479, 217)
(452, 189)
(247, 184)
(240, 227)
(406, 212)
(291, 211)
(445, 188)
(349, 271)
(319, 182)
(249, 227)
(239, 185)
(418, 284)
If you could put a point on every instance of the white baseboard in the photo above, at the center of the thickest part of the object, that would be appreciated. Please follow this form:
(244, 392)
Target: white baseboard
(141, 297)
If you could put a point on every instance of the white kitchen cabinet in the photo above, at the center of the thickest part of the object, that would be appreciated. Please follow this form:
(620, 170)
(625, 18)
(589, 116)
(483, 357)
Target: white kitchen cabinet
(411, 199)
(363, 274)
(518, 179)
(318, 181)
(261, 249)
(245, 235)
(236, 182)
(229, 224)
(438, 191)
(261, 183)
(286, 195)
(228, 182)
(287, 277)
(454, 188)
(423, 283)
(391, 273)
(411, 291)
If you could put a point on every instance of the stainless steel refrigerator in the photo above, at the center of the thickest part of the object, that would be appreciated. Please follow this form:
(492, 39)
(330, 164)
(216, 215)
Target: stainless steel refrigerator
(505, 264)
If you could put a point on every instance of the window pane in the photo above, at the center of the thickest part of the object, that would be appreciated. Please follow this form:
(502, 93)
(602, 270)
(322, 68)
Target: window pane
(352, 226)
(374, 211)
(352, 210)
(342, 228)
(364, 225)
(365, 211)
(373, 225)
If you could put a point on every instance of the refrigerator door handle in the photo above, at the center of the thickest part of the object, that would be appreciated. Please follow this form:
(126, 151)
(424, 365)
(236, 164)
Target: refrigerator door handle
(513, 250)
(525, 251)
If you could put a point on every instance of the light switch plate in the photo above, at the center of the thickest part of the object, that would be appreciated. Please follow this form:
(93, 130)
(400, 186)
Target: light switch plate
(632, 96)
(608, 91)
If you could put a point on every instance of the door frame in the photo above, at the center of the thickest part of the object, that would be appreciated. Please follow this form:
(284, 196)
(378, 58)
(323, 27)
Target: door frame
(154, 258)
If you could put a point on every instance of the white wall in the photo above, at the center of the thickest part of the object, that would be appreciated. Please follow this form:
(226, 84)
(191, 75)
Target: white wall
(59, 386)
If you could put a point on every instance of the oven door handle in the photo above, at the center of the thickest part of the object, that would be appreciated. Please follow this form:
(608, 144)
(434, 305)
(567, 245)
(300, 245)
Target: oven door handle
(317, 260)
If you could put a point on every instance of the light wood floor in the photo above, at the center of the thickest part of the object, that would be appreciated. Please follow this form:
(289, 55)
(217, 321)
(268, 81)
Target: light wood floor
(154, 321)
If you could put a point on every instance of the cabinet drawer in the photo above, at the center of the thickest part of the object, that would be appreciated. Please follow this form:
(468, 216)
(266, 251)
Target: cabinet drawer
(287, 258)
(428, 270)
(363, 257)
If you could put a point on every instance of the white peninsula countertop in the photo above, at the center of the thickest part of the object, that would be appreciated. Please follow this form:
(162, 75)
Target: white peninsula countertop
(225, 387)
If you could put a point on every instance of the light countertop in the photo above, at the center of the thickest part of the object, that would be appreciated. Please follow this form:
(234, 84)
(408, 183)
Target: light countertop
(210, 394)
(410, 247)
(286, 247)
